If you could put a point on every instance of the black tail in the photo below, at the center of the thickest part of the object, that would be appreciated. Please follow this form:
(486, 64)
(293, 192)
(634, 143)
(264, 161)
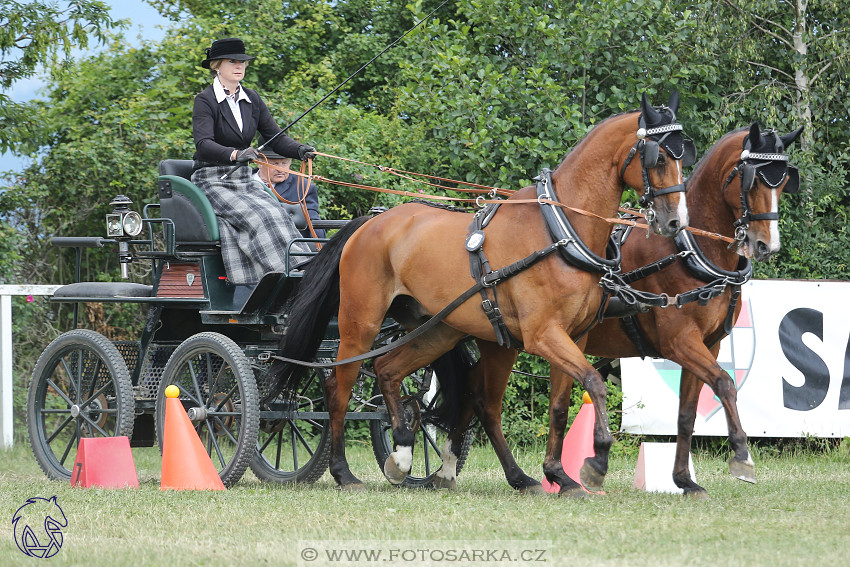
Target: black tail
(311, 309)
(452, 371)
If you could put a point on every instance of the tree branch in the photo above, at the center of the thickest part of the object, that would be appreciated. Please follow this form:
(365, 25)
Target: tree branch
(780, 71)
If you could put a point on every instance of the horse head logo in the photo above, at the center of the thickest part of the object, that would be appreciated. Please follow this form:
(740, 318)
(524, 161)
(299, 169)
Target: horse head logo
(38, 527)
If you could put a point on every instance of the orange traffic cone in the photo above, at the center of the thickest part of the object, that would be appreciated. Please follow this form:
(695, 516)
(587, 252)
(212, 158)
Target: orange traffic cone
(185, 463)
(104, 462)
(578, 444)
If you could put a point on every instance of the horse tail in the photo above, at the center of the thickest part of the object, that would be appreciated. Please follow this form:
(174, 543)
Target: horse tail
(312, 307)
(452, 370)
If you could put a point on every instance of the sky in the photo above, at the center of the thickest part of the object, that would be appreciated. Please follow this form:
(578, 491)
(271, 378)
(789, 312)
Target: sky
(145, 21)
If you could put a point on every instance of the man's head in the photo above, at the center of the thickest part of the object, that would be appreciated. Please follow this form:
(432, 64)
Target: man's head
(274, 175)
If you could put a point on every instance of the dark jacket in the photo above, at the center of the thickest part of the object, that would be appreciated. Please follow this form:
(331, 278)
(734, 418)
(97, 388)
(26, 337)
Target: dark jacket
(217, 134)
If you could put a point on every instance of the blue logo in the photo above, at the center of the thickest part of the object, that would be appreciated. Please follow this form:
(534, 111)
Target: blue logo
(38, 527)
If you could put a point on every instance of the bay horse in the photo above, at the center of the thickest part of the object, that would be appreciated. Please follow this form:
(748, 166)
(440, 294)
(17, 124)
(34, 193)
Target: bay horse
(410, 262)
(744, 172)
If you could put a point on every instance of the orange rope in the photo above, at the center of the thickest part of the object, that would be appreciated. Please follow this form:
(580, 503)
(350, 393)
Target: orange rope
(476, 188)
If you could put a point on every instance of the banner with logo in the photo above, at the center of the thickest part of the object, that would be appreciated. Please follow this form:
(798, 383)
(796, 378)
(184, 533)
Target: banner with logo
(789, 355)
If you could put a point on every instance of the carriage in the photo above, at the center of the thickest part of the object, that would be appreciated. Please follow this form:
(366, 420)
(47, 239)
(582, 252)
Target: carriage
(212, 339)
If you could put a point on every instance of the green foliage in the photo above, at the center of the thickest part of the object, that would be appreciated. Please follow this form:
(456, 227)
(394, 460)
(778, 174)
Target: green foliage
(36, 33)
(488, 91)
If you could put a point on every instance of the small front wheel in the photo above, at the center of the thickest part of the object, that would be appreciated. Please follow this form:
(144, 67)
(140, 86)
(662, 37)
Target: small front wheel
(80, 388)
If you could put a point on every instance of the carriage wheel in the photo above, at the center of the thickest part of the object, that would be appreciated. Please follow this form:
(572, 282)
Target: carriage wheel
(80, 388)
(217, 384)
(295, 449)
(429, 436)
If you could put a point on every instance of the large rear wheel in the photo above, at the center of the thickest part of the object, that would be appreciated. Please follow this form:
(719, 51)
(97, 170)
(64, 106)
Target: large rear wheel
(80, 388)
(218, 390)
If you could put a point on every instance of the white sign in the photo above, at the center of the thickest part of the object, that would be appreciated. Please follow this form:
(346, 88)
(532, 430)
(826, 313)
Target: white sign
(789, 355)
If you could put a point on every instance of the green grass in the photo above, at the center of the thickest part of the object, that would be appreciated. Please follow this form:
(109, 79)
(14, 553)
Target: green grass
(797, 514)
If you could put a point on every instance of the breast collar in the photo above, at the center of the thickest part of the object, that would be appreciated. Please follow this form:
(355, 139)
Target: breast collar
(575, 252)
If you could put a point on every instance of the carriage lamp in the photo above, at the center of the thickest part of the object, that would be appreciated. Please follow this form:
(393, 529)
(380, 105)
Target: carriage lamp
(123, 224)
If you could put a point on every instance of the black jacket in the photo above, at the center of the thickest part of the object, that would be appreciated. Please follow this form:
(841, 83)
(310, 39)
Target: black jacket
(217, 134)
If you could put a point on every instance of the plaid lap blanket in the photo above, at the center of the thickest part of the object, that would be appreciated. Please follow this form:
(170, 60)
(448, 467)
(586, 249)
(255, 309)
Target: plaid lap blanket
(255, 230)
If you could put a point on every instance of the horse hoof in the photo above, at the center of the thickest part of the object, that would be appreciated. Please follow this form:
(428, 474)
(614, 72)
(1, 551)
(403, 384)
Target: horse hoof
(532, 490)
(591, 478)
(699, 494)
(743, 470)
(353, 487)
(576, 493)
(441, 483)
(393, 473)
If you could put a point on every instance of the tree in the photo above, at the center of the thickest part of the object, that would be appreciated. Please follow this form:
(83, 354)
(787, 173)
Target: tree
(35, 34)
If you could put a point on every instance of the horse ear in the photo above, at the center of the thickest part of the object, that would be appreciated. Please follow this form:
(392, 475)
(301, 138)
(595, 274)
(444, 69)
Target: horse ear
(753, 136)
(650, 115)
(673, 103)
(788, 139)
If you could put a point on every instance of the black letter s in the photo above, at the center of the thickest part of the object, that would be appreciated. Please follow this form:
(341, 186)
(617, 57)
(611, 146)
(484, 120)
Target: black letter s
(812, 393)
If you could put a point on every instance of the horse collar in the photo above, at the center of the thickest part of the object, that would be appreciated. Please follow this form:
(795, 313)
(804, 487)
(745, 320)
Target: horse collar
(574, 251)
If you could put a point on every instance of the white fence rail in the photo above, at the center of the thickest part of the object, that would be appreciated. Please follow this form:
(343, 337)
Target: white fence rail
(7, 417)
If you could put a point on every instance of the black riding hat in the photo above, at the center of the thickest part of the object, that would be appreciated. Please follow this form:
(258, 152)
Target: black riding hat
(228, 48)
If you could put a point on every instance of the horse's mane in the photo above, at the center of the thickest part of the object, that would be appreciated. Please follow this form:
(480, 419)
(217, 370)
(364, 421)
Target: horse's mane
(701, 164)
(612, 117)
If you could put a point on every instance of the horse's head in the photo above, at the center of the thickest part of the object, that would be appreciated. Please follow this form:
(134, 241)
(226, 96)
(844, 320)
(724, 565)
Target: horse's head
(764, 174)
(658, 176)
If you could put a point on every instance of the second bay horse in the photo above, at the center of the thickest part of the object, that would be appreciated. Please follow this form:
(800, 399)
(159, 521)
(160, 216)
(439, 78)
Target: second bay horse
(410, 263)
(734, 190)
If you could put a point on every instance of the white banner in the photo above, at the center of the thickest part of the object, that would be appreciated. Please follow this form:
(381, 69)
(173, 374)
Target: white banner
(789, 354)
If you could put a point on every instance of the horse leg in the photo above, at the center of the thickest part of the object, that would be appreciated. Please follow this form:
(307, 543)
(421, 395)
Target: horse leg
(390, 370)
(559, 406)
(700, 362)
(555, 345)
(338, 391)
(488, 381)
(689, 390)
(741, 464)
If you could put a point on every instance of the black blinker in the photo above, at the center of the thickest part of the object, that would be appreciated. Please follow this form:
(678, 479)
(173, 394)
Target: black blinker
(792, 186)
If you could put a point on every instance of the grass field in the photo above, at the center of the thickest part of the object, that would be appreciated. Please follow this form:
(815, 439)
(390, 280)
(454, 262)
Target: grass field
(797, 514)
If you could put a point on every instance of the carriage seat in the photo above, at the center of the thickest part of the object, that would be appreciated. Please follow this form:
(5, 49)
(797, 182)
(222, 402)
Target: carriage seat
(103, 290)
(183, 202)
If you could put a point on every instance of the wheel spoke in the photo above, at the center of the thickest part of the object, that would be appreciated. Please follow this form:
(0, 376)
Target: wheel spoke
(213, 443)
(94, 425)
(297, 431)
(59, 429)
(95, 395)
(278, 449)
(62, 395)
(70, 444)
(294, 447)
(223, 428)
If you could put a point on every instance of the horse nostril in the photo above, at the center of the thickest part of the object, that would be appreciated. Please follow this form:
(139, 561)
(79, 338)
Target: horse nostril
(763, 249)
(674, 226)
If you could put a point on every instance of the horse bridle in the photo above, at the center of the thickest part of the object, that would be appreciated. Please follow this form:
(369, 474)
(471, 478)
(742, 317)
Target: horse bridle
(748, 169)
(648, 146)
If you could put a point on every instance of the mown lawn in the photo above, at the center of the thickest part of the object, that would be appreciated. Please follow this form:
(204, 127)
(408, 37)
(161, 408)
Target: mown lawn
(797, 514)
